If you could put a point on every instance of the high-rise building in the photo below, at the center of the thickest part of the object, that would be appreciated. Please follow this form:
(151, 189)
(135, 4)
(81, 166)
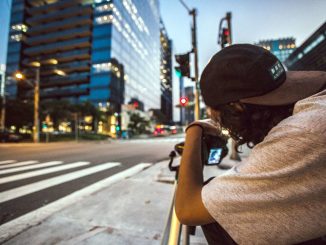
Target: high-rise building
(103, 51)
(311, 55)
(281, 48)
(166, 74)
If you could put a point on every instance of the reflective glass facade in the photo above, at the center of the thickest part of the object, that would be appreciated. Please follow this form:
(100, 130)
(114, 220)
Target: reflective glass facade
(311, 55)
(103, 51)
(166, 75)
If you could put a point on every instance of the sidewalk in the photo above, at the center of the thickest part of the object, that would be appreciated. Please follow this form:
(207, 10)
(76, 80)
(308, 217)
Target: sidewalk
(131, 211)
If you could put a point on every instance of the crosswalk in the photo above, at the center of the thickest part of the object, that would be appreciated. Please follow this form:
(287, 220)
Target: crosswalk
(30, 173)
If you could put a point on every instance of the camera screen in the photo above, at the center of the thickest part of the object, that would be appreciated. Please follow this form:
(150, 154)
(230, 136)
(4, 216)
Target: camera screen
(214, 155)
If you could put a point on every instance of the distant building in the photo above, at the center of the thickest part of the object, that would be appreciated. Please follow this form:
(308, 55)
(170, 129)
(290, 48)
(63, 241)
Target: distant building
(166, 74)
(311, 55)
(103, 51)
(281, 48)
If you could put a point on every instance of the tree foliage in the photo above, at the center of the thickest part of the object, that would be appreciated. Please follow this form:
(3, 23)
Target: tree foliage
(138, 124)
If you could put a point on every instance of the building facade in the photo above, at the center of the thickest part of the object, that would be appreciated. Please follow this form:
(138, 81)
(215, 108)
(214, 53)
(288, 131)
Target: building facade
(166, 75)
(281, 48)
(103, 51)
(311, 55)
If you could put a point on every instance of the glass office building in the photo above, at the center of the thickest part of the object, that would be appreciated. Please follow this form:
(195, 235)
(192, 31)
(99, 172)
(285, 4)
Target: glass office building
(311, 55)
(281, 48)
(166, 75)
(103, 51)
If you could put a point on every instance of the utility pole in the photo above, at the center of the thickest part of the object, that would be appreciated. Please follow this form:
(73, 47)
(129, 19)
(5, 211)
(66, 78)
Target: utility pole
(3, 107)
(36, 128)
(195, 50)
(225, 37)
(193, 13)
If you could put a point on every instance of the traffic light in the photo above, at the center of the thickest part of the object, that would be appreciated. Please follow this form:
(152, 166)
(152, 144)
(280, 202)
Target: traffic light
(184, 64)
(184, 101)
(117, 128)
(177, 71)
(225, 37)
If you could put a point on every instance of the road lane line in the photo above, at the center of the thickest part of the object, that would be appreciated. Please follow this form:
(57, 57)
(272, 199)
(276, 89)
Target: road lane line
(16, 226)
(7, 161)
(42, 172)
(19, 164)
(43, 184)
(40, 165)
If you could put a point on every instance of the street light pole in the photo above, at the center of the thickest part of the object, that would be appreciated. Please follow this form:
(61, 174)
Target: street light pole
(36, 128)
(3, 107)
(193, 13)
(195, 50)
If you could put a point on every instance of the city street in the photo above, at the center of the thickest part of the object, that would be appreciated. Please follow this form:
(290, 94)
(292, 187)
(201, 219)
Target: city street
(34, 175)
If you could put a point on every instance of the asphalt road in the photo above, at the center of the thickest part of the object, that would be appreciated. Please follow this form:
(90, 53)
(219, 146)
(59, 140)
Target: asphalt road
(33, 175)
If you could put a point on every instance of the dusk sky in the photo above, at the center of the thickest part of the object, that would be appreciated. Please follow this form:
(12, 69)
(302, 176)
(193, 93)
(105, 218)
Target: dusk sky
(252, 20)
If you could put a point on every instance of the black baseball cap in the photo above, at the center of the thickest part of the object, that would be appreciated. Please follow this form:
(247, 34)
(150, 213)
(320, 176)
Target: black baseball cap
(253, 75)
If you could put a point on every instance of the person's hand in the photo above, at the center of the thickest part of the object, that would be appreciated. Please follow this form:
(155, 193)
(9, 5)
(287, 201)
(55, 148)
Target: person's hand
(208, 126)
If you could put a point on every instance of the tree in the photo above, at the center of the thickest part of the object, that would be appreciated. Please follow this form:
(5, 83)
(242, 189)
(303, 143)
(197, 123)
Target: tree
(19, 113)
(138, 124)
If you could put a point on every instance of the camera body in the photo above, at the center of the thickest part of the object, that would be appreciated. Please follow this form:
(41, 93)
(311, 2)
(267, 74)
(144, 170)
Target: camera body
(214, 149)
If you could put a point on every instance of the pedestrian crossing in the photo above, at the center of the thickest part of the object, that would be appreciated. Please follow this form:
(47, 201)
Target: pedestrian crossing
(61, 173)
(12, 172)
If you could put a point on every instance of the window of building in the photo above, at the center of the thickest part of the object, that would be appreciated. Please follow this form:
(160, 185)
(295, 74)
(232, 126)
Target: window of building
(102, 31)
(100, 80)
(101, 55)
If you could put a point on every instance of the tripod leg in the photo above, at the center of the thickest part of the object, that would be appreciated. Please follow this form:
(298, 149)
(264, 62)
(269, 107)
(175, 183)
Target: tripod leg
(174, 237)
(185, 235)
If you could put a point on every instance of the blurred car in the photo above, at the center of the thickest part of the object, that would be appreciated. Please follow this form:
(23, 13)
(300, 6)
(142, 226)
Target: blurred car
(7, 136)
(162, 130)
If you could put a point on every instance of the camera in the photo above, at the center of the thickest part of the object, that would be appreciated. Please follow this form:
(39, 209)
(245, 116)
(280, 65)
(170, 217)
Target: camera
(214, 149)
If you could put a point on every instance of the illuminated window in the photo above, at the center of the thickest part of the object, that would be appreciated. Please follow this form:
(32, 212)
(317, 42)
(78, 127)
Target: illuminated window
(104, 19)
(16, 37)
(20, 27)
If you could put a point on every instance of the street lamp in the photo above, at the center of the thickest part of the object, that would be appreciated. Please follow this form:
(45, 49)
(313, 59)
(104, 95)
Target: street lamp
(36, 85)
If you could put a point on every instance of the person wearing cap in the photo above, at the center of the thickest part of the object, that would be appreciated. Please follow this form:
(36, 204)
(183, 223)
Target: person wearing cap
(278, 194)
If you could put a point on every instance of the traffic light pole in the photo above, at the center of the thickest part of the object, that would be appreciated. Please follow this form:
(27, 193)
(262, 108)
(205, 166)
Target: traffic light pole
(3, 106)
(36, 128)
(193, 13)
(195, 50)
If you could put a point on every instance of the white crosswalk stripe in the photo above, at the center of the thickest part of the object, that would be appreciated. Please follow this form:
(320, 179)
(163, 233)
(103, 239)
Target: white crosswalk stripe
(7, 161)
(40, 165)
(34, 217)
(42, 172)
(19, 164)
(47, 183)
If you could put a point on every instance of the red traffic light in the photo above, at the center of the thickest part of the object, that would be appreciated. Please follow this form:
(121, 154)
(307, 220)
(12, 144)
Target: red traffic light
(226, 32)
(184, 101)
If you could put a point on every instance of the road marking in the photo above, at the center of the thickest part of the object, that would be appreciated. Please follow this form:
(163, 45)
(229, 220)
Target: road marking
(42, 172)
(19, 164)
(14, 227)
(41, 165)
(43, 184)
(7, 161)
